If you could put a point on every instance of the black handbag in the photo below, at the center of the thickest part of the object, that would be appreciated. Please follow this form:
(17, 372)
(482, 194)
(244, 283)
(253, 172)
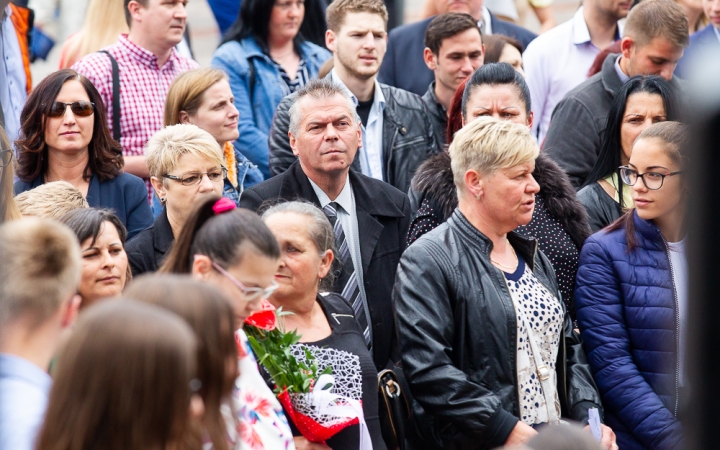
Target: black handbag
(394, 409)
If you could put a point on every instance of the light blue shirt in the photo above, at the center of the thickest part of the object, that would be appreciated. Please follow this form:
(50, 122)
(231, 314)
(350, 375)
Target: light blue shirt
(556, 62)
(24, 390)
(347, 215)
(371, 153)
(623, 77)
(13, 91)
(717, 32)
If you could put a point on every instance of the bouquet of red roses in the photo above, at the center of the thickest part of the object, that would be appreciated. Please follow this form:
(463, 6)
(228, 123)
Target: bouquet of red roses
(304, 391)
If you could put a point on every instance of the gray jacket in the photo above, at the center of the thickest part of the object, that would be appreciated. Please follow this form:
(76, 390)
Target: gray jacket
(602, 210)
(408, 138)
(578, 122)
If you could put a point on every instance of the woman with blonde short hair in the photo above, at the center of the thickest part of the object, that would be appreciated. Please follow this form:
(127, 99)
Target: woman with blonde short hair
(203, 97)
(186, 165)
(52, 200)
(525, 365)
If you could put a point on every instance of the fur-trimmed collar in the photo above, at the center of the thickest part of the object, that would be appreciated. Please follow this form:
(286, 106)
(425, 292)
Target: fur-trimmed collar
(434, 179)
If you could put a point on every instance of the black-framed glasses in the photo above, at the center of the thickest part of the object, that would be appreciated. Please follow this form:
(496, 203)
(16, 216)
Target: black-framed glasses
(80, 109)
(250, 293)
(6, 157)
(651, 180)
(193, 178)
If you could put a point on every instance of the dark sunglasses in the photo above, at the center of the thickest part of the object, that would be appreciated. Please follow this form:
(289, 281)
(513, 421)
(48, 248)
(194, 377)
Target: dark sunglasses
(80, 109)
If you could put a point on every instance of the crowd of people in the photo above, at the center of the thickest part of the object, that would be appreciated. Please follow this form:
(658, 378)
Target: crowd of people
(492, 220)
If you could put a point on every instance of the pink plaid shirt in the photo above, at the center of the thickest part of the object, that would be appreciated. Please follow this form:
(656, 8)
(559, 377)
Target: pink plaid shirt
(143, 88)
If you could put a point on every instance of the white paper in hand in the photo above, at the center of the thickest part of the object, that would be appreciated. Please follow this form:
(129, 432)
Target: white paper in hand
(594, 422)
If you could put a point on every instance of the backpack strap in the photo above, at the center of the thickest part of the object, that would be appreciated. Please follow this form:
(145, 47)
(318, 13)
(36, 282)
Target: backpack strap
(115, 96)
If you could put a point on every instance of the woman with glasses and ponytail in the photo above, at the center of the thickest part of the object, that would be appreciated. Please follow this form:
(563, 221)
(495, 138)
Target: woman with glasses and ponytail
(632, 297)
(64, 136)
(235, 251)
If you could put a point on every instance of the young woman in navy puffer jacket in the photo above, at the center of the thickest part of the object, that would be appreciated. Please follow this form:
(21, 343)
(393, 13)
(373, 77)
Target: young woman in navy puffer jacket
(631, 297)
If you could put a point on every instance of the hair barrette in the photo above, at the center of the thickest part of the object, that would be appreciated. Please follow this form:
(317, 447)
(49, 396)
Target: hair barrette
(223, 205)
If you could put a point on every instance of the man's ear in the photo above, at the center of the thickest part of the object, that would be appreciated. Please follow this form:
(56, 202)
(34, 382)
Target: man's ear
(134, 8)
(626, 46)
(330, 40)
(293, 144)
(430, 59)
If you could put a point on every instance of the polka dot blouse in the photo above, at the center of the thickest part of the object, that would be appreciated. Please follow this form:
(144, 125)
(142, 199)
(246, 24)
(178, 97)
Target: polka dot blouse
(537, 309)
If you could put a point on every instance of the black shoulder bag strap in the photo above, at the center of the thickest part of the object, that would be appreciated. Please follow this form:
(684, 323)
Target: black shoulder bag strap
(115, 96)
(252, 78)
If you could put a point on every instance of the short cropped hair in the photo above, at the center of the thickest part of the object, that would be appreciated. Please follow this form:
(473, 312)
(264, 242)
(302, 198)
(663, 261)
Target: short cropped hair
(446, 26)
(487, 145)
(317, 88)
(655, 18)
(40, 269)
(51, 200)
(187, 90)
(336, 12)
(128, 17)
(164, 149)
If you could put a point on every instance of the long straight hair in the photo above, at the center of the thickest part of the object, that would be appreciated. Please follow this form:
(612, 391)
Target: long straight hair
(210, 315)
(253, 21)
(8, 208)
(104, 21)
(610, 156)
(123, 381)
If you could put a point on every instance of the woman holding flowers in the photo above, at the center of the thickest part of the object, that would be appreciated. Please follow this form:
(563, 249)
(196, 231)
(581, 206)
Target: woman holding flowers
(325, 322)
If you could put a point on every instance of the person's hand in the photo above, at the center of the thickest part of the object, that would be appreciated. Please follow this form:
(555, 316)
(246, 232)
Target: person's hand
(303, 444)
(608, 440)
(520, 434)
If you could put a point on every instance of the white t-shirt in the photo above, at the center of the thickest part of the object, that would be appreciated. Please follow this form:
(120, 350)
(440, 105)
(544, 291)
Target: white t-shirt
(678, 261)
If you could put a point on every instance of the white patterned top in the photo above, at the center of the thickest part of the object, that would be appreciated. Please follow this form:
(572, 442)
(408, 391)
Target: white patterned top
(539, 309)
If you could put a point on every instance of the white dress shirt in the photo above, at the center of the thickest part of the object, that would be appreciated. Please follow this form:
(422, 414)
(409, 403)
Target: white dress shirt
(371, 153)
(556, 62)
(13, 89)
(618, 70)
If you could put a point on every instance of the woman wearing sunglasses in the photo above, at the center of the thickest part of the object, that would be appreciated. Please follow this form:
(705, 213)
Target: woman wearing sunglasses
(64, 136)
(632, 299)
(8, 208)
(235, 251)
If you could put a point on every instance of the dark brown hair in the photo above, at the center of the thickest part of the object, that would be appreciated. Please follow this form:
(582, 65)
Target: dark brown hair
(128, 17)
(445, 26)
(674, 140)
(494, 45)
(122, 381)
(104, 154)
(224, 238)
(210, 315)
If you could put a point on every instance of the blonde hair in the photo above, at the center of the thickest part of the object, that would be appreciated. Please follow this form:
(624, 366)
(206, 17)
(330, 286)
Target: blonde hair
(40, 268)
(104, 21)
(51, 200)
(8, 208)
(164, 149)
(487, 144)
(186, 92)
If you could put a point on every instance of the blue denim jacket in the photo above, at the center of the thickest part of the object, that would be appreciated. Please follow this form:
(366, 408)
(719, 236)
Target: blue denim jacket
(256, 114)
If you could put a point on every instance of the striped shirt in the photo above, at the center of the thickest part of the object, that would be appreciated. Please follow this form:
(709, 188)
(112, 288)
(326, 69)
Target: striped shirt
(290, 86)
(143, 88)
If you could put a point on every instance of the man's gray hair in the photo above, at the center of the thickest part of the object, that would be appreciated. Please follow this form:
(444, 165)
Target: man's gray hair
(318, 88)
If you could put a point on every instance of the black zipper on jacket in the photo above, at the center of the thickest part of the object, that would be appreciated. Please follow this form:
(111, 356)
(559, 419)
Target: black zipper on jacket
(677, 326)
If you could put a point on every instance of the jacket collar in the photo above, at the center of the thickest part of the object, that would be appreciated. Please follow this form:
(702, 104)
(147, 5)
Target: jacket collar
(646, 228)
(436, 109)
(163, 235)
(610, 79)
(527, 248)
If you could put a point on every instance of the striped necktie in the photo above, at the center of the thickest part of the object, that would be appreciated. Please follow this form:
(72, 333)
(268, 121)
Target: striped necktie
(348, 282)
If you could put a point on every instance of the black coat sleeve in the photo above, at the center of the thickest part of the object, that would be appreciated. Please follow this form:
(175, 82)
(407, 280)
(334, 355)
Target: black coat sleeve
(281, 155)
(249, 199)
(573, 140)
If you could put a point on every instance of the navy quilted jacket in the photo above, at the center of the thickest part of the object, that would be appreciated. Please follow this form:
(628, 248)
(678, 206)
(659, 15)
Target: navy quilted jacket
(626, 309)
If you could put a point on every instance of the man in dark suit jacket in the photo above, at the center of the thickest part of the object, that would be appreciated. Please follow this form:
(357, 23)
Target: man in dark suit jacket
(705, 43)
(325, 134)
(404, 66)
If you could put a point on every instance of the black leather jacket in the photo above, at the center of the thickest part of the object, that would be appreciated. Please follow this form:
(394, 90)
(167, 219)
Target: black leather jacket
(408, 138)
(457, 330)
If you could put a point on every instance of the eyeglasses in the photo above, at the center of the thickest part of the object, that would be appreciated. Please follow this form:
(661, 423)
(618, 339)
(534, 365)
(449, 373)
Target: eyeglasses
(193, 178)
(6, 157)
(651, 180)
(250, 293)
(80, 109)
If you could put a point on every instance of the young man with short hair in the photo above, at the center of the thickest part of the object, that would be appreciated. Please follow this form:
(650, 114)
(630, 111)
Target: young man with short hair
(453, 50)
(148, 63)
(39, 276)
(655, 34)
(397, 135)
(560, 59)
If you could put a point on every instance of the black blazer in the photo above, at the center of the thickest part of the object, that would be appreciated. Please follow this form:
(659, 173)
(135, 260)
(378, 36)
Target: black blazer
(383, 215)
(404, 66)
(147, 250)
